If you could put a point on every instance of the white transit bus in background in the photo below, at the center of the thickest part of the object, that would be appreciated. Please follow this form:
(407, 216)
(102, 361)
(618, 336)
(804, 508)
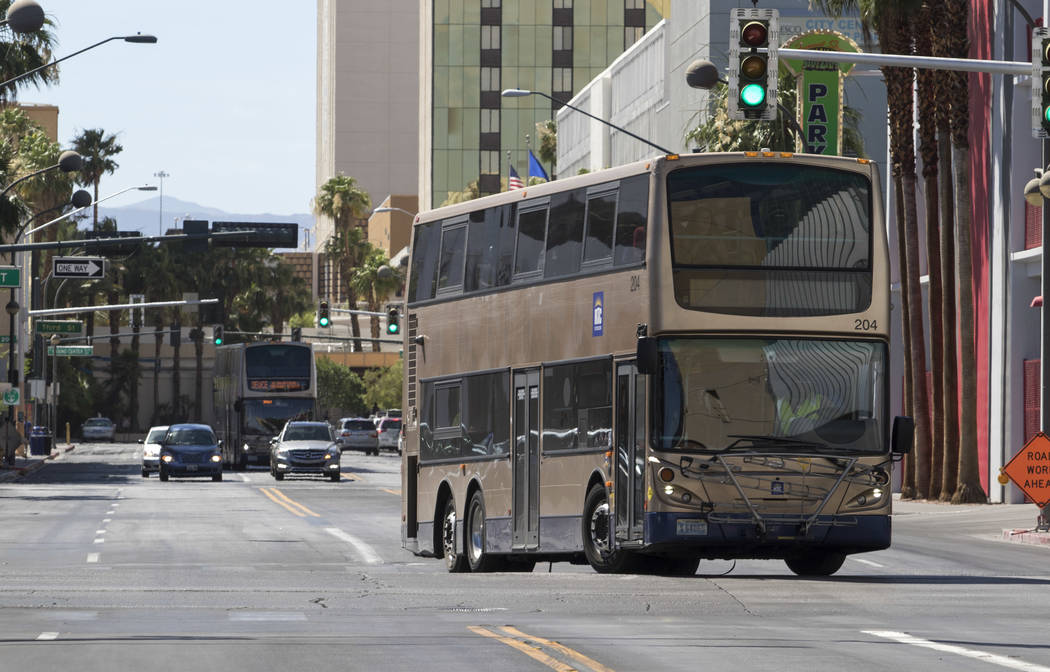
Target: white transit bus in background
(257, 388)
(646, 366)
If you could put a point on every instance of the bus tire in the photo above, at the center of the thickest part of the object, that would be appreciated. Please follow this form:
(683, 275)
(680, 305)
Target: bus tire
(815, 563)
(477, 558)
(597, 536)
(451, 548)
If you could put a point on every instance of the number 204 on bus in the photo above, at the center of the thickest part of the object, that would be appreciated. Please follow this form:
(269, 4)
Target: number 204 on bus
(678, 359)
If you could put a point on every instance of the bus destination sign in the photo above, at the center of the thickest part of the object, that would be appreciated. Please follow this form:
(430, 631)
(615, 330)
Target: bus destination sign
(1030, 469)
(267, 385)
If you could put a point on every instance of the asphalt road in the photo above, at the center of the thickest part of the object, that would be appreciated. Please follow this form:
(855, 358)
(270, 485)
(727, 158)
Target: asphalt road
(104, 570)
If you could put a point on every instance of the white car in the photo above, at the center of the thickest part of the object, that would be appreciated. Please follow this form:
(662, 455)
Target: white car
(98, 429)
(389, 429)
(151, 449)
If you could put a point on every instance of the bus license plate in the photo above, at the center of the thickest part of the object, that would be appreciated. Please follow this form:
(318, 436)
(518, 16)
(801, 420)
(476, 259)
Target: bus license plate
(691, 528)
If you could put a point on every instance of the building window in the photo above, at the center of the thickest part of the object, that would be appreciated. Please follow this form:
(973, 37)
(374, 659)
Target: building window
(561, 79)
(632, 34)
(562, 38)
(494, 4)
(490, 162)
(490, 37)
(630, 4)
(490, 79)
(562, 4)
(489, 121)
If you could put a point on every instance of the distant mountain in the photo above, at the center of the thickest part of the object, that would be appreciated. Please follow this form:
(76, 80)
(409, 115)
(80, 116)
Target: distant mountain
(144, 216)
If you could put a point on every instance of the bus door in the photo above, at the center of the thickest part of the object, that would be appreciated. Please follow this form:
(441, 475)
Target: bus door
(526, 460)
(629, 483)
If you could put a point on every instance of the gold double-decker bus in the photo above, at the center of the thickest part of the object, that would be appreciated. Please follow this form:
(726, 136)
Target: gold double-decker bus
(642, 367)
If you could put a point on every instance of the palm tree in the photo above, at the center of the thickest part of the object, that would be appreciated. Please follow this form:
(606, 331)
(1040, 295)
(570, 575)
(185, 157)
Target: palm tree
(97, 150)
(367, 280)
(347, 205)
(30, 51)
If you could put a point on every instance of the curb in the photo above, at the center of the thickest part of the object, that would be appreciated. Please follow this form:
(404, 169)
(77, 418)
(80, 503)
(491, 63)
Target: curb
(8, 475)
(1026, 537)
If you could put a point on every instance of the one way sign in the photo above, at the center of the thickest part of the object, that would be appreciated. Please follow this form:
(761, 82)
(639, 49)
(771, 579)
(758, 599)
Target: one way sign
(78, 267)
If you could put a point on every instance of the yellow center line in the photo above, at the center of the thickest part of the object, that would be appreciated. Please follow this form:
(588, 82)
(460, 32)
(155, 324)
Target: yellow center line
(558, 646)
(528, 650)
(266, 491)
(392, 492)
(356, 477)
(288, 503)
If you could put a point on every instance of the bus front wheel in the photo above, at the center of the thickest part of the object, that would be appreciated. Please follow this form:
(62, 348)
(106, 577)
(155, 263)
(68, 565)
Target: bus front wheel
(455, 561)
(479, 560)
(597, 537)
(815, 563)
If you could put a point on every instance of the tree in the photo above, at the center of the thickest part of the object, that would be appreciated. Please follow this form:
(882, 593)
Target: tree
(369, 283)
(384, 386)
(547, 132)
(28, 52)
(342, 200)
(338, 389)
(97, 150)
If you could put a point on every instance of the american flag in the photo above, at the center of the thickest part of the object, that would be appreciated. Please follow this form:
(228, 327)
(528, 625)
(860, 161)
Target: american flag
(514, 182)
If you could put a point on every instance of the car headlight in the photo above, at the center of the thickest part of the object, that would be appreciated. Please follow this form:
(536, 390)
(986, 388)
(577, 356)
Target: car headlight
(216, 458)
(282, 454)
(331, 456)
(166, 457)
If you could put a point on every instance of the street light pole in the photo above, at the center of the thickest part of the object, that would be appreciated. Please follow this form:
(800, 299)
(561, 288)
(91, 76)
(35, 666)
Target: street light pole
(161, 174)
(137, 39)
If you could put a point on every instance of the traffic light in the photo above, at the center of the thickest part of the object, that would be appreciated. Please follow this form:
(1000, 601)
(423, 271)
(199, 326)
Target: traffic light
(297, 334)
(323, 318)
(217, 334)
(393, 322)
(753, 73)
(1041, 82)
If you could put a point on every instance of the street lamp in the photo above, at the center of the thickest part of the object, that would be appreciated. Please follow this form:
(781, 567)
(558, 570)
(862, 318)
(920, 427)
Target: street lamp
(135, 39)
(161, 174)
(24, 16)
(386, 208)
(518, 93)
(68, 162)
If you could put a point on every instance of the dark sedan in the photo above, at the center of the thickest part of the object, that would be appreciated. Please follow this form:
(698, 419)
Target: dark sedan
(190, 450)
(304, 448)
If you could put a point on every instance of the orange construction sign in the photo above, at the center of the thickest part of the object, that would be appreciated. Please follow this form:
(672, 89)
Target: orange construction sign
(1030, 469)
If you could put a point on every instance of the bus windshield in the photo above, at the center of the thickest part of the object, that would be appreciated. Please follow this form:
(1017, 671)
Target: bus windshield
(780, 395)
(267, 416)
(770, 239)
(275, 361)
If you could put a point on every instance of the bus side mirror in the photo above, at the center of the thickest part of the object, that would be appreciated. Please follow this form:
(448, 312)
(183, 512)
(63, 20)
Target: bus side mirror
(647, 355)
(903, 435)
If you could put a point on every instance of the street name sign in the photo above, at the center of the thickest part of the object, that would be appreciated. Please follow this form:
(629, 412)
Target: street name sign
(71, 350)
(10, 276)
(87, 268)
(59, 326)
(5, 338)
(1030, 469)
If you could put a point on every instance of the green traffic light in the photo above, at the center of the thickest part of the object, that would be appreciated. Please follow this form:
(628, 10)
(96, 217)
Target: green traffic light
(1046, 114)
(392, 328)
(753, 95)
(323, 321)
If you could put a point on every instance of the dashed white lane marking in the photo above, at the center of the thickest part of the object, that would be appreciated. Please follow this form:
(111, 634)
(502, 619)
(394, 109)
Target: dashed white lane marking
(92, 557)
(110, 512)
(994, 659)
(107, 520)
(47, 636)
(870, 563)
(100, 531)
(100, 540)
(366, 552)
(268, 616)
(245, 477)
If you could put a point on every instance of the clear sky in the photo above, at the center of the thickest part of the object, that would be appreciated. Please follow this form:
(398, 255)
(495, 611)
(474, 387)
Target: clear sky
(224, 101)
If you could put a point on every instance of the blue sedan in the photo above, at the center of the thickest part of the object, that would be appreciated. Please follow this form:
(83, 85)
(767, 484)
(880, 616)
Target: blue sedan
(190, 450)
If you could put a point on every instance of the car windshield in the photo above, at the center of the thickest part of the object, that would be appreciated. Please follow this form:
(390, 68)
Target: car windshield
(359, 425)
(391, 424)
(307, 433)
(156, 435)
(97, 422)
(190, 437)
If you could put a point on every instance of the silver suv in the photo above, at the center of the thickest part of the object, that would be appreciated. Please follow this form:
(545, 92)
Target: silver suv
(358, 433)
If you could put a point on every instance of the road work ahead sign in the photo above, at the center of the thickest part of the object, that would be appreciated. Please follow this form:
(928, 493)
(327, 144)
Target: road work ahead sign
(1030, 469)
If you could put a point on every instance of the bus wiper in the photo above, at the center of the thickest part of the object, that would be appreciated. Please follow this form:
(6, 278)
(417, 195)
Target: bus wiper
(760, 442)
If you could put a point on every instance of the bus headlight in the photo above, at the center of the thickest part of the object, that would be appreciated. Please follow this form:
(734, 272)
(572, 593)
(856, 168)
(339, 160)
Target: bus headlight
(870, 497)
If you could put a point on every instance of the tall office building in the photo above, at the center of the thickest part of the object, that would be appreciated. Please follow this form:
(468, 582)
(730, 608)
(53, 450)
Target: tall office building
(473, 49)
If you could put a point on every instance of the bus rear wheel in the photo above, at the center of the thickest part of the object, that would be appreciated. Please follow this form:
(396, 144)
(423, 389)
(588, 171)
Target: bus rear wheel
(455, 561)
(815, 563)
(477, 558)
(597, 537)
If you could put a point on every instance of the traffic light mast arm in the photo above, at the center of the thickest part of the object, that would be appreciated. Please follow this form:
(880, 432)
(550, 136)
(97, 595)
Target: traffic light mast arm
(905, 61)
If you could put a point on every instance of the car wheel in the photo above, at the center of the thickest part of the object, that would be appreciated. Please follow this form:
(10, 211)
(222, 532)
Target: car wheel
(278, 476)
(336, 477)
(145, 473)
(163, 474)
(217, 477)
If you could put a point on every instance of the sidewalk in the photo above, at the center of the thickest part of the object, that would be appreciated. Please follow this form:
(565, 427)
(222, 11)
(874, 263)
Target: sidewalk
(30, 463)
(1017, 535)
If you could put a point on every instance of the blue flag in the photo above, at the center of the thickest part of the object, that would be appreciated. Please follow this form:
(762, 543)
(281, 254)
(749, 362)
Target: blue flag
(535, 169)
